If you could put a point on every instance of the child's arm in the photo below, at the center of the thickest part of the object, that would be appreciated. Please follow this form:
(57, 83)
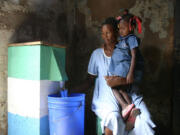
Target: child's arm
(130, 76)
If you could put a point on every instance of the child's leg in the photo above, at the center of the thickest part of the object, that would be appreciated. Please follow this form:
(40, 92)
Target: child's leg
(126, 108)
(126, 96)
(120, 99)
(129, 107)
(132, 118)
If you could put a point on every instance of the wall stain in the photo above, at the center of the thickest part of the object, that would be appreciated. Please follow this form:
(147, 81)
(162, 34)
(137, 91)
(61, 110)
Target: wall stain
(78, 23)
(156, 46)
(102, 9)
(159, 12)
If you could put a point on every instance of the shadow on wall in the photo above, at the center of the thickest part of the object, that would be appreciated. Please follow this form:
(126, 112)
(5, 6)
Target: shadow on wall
(156, 86)
(48, 27)
(157, 81)
(53, 26)
(81, 44)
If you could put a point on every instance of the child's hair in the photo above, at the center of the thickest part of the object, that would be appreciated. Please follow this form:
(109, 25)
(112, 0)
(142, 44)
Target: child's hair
(132, 20)
(111, 21)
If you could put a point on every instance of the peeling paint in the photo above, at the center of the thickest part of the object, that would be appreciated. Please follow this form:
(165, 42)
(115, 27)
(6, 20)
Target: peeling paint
(26, 20)
(82, 7)
(157, 16)
(159, 12)
(11, 7)
(80, 27)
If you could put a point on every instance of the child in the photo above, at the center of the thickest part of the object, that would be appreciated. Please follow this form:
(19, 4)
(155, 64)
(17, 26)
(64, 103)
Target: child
(125, 59)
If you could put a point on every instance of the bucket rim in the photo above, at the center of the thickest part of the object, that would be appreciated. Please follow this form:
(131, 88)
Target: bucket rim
(72, 96)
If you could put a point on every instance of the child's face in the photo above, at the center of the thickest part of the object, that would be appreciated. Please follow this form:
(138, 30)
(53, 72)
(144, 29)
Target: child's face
(108, 34)
(123, 28)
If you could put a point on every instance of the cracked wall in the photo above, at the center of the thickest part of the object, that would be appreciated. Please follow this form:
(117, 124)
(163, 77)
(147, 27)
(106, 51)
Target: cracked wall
(76, 23)
(27, 20)
(157, 47)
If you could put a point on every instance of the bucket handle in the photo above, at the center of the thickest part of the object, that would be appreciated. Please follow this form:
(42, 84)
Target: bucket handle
(70, 114)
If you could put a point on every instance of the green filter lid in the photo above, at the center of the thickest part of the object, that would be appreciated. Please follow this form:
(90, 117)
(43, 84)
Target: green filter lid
(37, 61)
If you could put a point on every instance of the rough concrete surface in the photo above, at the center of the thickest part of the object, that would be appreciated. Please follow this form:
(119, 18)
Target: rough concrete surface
(76, 23)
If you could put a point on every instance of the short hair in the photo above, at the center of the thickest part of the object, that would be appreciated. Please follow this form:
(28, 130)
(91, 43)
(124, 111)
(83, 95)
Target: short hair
(111, 21)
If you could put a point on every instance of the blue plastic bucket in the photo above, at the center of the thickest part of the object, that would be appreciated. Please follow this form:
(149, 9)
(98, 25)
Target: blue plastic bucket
(66, 114)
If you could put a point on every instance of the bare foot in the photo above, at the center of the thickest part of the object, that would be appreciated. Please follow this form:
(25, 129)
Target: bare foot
(126, 111)
(131, 119)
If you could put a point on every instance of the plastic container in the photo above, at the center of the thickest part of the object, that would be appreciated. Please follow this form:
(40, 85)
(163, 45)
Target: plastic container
(66, 114)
